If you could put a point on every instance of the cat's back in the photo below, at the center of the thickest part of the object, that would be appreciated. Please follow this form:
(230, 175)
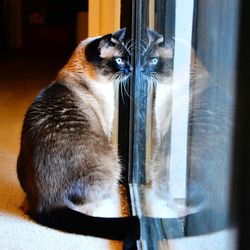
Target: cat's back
(57, 109)
(59, 122)
(59, 137)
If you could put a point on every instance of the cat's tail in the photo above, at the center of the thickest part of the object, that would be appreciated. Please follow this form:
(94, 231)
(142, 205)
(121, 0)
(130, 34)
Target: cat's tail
(71, 221)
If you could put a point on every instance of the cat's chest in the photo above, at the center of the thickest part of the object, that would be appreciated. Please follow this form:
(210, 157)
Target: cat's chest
(105, 96)
(162, 108)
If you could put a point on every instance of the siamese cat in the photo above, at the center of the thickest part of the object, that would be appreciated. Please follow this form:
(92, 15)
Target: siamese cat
(66, 157)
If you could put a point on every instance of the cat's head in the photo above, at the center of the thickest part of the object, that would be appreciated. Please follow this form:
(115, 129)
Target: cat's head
(157, 57)
(109, 56)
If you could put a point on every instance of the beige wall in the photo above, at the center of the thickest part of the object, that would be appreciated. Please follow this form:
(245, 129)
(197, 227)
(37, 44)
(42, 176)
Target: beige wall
(104, 17)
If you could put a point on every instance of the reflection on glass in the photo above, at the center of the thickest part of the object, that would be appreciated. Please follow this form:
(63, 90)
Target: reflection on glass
(189, 126)
(157, 68)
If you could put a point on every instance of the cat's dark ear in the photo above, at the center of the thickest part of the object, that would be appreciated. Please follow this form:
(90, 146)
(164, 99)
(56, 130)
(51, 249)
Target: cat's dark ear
(118, 36)
(155, 37)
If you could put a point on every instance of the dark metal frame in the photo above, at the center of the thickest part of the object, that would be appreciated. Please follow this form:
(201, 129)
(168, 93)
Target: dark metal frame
(241, 188)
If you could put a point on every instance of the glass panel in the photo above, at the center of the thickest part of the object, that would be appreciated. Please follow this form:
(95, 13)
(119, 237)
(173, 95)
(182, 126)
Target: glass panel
(182, 123)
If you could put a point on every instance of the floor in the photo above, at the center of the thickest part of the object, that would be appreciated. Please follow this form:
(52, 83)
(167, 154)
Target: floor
(21, 78)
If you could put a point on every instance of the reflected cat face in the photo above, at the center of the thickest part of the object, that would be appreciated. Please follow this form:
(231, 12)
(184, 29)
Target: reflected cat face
(157, 57)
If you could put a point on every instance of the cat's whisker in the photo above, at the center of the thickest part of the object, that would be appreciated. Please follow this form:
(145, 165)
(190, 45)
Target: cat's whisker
(116, 75)
(128, 43)
(141, 45)
(157, 77)
(151, 83)
(154, 78)
(124, 83)
(116, 86)
(142, 48)
(122, 95)
(145, 45)
(120, 82)
(130, 47)
(123, 89)
(153, 86)
(155, 81)
(151, 80)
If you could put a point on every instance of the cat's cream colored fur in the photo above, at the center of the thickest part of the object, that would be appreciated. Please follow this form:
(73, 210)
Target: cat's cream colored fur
(101, 99)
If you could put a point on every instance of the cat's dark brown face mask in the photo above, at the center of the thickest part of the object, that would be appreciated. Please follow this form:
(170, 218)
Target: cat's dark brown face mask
(157, 57)
(109, 56)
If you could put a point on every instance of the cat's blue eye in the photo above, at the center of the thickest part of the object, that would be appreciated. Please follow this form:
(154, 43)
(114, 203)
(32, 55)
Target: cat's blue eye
(154, 61)
(119, 60)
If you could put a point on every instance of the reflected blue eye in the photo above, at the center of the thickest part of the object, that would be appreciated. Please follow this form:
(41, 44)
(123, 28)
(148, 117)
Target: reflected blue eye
(154, 61)
(119, 60)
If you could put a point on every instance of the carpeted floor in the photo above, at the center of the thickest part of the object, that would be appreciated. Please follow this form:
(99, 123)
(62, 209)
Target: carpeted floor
(21, 77)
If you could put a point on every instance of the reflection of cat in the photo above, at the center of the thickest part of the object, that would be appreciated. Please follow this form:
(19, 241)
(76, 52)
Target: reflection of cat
(158, 69)
(66, 158)
(209, 139)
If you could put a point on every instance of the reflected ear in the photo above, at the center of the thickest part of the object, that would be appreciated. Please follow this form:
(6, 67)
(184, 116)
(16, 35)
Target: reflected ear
(118, 36)
(154, 36)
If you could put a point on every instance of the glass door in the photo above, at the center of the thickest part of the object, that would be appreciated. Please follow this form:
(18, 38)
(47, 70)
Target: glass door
(182, 122)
